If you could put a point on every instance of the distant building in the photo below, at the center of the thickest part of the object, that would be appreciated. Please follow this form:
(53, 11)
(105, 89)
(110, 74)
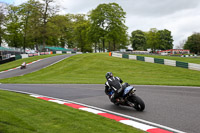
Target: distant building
(174, 51)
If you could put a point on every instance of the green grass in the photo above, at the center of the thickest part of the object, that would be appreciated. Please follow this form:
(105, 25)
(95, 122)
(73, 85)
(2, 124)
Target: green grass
(91, 69)
(182, 59)
(20, 113)
(17, 63)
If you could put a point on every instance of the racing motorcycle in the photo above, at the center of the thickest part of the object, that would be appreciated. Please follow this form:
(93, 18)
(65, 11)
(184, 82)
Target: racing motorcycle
(129, 98)
(23, 65)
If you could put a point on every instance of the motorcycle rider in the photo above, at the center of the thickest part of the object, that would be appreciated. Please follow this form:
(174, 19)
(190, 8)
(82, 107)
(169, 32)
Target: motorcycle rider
(23, 65)
(115, 84)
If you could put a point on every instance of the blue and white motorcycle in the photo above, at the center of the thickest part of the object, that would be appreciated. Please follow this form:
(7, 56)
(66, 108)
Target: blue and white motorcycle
(129, 98)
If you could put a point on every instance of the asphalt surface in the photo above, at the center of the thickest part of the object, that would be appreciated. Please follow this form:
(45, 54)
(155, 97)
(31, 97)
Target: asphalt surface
(175, 107)
(171, 106)
(33, 67)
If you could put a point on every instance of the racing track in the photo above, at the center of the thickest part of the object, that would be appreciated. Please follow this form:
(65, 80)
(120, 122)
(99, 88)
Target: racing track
(34, 67)
(171, 106)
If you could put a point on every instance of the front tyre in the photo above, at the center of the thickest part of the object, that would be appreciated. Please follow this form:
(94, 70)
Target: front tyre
(138, 103)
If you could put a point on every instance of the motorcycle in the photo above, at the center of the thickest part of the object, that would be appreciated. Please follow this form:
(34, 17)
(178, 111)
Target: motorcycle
(23, 65)
(129, 98)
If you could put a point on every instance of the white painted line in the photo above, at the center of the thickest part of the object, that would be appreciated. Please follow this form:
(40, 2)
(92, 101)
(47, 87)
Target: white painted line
(91, 110)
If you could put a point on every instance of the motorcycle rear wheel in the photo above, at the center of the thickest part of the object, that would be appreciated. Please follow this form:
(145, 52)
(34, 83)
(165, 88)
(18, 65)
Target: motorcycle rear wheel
(138, 103)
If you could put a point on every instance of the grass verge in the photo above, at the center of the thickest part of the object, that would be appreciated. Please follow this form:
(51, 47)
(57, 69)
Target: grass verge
(91, 69)
(17, 63)
(21, 113)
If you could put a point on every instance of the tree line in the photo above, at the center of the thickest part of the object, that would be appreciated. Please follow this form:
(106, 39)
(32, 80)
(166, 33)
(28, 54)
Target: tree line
(154, 39)
(35, 24)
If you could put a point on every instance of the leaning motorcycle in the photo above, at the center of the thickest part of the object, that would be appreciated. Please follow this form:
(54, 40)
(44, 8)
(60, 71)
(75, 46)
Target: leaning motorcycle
(129, 98)
(23, 65)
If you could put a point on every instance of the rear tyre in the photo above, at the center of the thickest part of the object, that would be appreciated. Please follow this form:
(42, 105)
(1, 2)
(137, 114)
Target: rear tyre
(117, 104)
(138, 103)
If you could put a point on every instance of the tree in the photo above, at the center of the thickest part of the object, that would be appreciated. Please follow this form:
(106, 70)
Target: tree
(159, 39)
(193, 43)
(108, 24)
(2, 21)
(60, 29)
(24, 13)
(34, 24)
(165, 39)
(81, 28)
(37, 22)
(138, 40)
(47, 12)
(13, 31)
(153, 39)
(24, 22)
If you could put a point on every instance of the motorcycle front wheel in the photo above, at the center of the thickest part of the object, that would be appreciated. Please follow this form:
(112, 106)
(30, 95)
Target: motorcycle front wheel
(138, 102)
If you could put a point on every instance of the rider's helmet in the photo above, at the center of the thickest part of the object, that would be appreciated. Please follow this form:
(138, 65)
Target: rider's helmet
(109, 75)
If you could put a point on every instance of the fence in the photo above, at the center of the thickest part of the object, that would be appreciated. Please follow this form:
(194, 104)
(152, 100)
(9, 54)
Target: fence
(191, 66)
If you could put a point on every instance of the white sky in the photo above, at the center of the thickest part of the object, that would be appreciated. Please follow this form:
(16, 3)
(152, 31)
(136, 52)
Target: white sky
(181, 17)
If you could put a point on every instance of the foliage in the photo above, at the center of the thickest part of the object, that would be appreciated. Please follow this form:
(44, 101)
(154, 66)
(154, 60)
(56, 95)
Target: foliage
(2, 21)
(81, 27)
(154, 39)
(14, 33)
(47, 11)
(138, 40)
(26, 23)
(165, 39)
(36, 23)
(193, 43)
(108, 25)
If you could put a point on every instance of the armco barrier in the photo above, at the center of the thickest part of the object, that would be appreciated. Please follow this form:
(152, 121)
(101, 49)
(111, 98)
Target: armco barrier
(191, 66)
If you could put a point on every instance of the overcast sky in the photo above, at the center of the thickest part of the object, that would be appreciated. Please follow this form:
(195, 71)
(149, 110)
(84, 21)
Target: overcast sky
(181, 17)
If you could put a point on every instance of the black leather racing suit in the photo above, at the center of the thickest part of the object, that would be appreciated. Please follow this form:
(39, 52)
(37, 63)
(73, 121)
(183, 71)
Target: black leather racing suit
(113, 83)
